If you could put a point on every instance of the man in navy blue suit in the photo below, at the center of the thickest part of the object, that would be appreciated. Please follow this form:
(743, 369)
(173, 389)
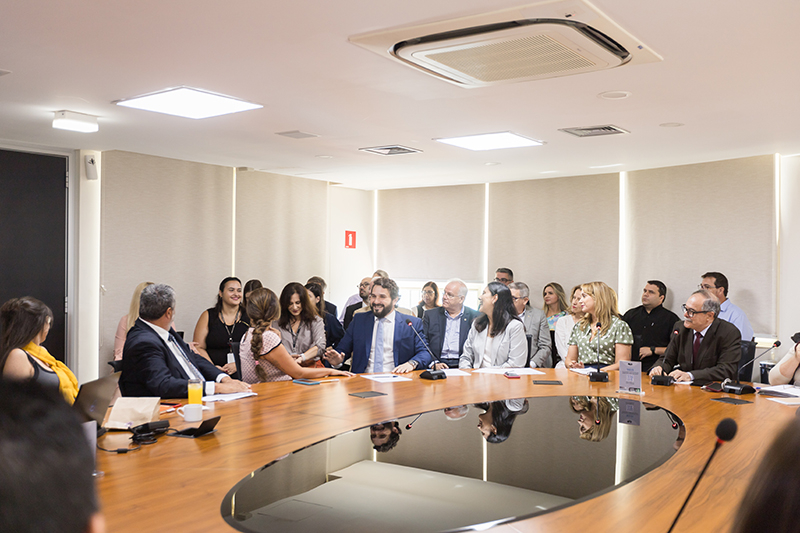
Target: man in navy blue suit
(156, 361)
(381, 340)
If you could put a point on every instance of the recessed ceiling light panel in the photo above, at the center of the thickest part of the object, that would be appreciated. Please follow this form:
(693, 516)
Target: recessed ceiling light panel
(71, 121)
(490, 141)
(189, 103)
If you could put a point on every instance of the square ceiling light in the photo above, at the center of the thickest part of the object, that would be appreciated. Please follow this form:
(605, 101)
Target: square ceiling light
(490, 141)
(71, 121)
(188, 102)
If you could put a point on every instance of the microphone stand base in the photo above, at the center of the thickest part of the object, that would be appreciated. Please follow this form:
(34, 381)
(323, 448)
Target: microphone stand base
(598, 377)
(433, 374)
(738, 388)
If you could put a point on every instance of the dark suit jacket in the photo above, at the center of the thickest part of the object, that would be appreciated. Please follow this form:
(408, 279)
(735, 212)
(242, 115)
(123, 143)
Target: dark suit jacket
(149, 367)
(434, 323)
(331, 308)
(718, 357)
(348, 313)
(357, 342)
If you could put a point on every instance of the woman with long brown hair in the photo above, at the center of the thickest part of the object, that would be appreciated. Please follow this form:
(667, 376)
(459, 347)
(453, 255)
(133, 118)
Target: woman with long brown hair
(300, 326)
(25, 323)
(221, 326)
(263, 356)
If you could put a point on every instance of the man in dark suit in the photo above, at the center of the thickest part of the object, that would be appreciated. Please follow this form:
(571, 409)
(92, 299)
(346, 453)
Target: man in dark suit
(363, 292)
(156, 361)
(381, 340)
(705, 347)
(446, 327)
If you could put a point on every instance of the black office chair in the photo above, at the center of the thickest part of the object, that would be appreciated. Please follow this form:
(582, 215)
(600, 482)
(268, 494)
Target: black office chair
(748, 353)
(116, 365)
(237, 360)
(529, 338)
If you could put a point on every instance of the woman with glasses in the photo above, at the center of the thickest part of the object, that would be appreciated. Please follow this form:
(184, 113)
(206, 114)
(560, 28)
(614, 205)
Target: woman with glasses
(497, 337)
(430, 299)
(600, 339)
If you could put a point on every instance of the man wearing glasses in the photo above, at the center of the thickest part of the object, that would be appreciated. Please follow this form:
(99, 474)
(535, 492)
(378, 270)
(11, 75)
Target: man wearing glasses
(704, 347)
(504, 275)
(446, 327)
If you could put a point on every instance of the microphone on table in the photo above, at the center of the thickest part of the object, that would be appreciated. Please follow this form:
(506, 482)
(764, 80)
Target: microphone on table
(408, 426)
(597, 375)
(428, 374)
(734, 387)
(726, 430)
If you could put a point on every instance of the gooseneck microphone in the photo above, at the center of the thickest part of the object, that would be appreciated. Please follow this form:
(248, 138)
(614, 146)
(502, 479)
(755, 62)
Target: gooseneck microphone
(734, 387)
(408, 426)
(726, 430)
(597, 375)
(427, 374)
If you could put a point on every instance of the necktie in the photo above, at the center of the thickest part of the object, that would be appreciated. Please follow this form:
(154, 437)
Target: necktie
(696, 348)
(193, 372)
(377, 364)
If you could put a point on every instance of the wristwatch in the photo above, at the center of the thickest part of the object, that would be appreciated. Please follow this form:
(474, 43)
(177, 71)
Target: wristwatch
(653, 350)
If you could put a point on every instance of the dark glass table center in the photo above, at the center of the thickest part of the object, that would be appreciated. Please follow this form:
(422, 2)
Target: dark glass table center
(462, 468)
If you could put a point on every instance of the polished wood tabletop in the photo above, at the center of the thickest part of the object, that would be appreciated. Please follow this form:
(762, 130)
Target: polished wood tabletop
(179, 484)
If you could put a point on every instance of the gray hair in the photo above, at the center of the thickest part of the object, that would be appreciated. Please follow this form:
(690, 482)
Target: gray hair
(710, 304)
(155, 300)
(524, 291)
(462, 287)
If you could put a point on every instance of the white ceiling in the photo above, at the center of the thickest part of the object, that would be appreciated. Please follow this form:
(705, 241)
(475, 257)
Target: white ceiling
(730, 74)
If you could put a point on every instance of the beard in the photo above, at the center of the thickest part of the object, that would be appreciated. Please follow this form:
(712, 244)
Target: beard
(380, 310)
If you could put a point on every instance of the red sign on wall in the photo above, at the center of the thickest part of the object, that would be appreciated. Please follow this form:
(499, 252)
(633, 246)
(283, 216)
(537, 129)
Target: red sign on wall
(349, 239)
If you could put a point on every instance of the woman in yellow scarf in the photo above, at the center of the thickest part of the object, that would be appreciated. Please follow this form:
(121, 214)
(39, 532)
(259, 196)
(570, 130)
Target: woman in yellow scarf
(25, 323)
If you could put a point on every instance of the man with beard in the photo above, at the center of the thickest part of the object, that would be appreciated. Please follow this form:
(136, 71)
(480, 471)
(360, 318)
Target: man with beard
(705, 346)
(381, 340)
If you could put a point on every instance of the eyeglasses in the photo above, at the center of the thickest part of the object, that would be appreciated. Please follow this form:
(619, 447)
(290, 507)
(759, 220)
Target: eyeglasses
(503, 280)
(428, 292)
(450, 295)
(691, 312)
(706, 287)
(367, 284)
(515, 298)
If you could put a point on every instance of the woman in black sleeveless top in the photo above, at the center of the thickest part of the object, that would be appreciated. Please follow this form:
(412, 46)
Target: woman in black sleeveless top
(222, 325)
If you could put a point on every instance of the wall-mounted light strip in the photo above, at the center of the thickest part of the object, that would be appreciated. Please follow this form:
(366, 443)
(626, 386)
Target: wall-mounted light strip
(375, 231)
(623, 268)
(486, 235)
(233, 225)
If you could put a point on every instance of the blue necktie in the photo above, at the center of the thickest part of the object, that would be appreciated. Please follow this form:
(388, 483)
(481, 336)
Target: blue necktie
(377, 363)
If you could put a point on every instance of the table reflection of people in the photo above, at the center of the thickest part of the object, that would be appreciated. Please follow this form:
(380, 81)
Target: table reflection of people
(596, 414)
(498, 417)
(385, 436)
(456, 413)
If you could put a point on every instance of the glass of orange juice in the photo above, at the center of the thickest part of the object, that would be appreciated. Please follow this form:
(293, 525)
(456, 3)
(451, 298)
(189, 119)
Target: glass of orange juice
(195, 391)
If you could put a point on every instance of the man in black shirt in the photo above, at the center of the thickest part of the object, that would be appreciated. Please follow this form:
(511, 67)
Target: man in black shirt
(651, 325)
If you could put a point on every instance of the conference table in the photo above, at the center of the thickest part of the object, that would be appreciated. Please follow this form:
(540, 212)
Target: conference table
(179, 484)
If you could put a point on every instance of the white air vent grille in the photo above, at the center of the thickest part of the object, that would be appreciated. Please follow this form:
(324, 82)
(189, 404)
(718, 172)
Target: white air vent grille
(296, 134)
(594, 131)
(527, 57)
(390, 150)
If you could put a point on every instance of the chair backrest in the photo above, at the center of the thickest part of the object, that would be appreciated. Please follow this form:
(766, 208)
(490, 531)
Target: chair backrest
(529, 338)
(237, 359)
(116, 365)
(748, 353)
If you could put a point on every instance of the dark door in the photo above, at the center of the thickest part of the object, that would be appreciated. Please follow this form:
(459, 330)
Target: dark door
(33, 235)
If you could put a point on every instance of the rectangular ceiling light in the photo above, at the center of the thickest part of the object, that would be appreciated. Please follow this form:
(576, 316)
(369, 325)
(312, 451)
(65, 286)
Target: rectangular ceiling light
(69, 120)
(189, 103)
(490, 141)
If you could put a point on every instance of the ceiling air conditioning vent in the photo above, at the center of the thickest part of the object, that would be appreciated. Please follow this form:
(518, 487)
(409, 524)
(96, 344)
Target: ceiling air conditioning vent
(532, 42)
(297, 134)
(594, 131)
(395, 149)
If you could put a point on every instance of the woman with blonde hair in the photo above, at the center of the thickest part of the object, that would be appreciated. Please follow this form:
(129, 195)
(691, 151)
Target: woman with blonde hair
(555, 306)
(25, 323)
(263, 356)
(127, 321)
(600, 338)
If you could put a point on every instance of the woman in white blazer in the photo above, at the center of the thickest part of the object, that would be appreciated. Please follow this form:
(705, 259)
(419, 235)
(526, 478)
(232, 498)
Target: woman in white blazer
(497, 337)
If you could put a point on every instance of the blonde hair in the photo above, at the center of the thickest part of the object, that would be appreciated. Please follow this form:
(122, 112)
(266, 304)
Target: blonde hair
(605, 306)
(601, 409)
(133, 310)
(562, 298)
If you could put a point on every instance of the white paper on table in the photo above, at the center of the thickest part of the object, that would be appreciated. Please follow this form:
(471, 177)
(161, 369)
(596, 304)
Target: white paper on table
(385, 378)
(454, 372)
(683, 382)
(786, 389)
(583, 371)
(228, 397)
(520, 371)
(785, 401)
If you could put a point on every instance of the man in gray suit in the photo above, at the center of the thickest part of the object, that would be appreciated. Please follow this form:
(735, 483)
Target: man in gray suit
(535, 323)
(446, 327)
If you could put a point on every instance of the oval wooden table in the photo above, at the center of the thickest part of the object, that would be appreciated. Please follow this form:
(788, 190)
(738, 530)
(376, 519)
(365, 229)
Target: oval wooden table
(179, 484)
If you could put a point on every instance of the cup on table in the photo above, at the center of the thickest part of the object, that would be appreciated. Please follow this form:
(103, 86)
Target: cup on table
(192, 412)
(195, 391)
